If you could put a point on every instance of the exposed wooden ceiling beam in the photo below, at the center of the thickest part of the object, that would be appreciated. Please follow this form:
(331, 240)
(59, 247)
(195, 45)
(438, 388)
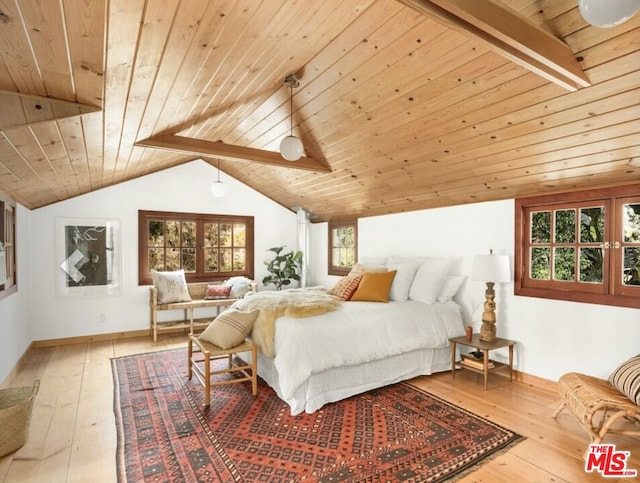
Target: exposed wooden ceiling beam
(25, 109)
(511, 35)
(214, 149)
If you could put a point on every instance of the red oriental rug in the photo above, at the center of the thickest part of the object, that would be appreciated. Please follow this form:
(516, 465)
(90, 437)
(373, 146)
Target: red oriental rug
(397, 433)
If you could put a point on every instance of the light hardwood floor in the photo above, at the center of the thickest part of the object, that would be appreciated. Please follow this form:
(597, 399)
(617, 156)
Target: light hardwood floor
(73, 437)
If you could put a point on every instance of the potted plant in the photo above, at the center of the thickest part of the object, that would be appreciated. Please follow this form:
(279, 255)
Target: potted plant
(283, 268)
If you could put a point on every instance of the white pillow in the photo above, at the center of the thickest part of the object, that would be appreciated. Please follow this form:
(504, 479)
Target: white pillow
(373, 261)
(450, 287)
(239, 286)
(429, 279)
(402, 281)
(359, 269)
(172, 286)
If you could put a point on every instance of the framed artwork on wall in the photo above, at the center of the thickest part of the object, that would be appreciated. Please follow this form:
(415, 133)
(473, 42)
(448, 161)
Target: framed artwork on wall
(88, 257)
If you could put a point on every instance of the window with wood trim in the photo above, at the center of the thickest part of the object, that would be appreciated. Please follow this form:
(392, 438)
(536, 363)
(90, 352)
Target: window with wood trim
(8, 270)
(343, 246)
(208, 247)
(582, 247)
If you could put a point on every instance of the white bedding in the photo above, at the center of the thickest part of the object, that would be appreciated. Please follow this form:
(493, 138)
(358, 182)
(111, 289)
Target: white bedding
(355, 334)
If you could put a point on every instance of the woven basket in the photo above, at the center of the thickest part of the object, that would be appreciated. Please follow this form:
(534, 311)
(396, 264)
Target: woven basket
(16, 404)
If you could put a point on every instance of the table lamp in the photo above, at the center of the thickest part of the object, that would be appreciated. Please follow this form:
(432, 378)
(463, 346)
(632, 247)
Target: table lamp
(490, 269)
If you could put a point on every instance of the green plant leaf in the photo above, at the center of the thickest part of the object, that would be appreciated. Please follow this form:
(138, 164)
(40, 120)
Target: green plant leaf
(283, 268)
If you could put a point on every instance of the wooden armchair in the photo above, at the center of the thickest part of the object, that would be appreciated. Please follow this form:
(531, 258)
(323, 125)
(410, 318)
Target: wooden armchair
(597, 405)
(201, 353)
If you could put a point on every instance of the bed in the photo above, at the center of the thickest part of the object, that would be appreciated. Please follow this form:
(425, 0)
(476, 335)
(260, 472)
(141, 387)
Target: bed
(356, 348)
(378, 326)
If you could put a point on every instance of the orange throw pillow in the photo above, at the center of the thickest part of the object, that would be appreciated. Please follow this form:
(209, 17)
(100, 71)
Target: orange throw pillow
(346, 287)
(374, 287)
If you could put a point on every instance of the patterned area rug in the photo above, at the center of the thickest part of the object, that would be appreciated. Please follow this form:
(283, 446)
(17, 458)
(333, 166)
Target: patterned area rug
(397, 433)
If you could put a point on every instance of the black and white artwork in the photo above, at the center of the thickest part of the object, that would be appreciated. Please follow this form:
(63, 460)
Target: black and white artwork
(90, 253)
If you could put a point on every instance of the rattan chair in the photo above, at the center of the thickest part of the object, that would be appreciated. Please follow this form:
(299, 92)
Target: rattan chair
(202, 353)
(597, 405)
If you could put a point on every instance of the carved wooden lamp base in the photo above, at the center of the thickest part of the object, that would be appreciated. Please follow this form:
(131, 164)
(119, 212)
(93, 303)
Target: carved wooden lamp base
(495, 268)
(488, 332)
(488, 329)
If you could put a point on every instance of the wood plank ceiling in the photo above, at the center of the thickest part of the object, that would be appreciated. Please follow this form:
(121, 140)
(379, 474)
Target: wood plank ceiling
(400, 110)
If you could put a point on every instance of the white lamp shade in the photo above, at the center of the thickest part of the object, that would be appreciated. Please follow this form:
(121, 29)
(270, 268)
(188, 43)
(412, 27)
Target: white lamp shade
(291, 148)
(491, 268)
(608, 13)
(218, 189)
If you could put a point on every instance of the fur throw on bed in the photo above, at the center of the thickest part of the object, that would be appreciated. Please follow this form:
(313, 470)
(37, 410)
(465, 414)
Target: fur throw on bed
(297, 302)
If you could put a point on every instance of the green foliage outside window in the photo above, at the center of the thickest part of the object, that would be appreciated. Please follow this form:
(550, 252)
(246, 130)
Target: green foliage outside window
(343, 246)
(564, 256)
(582, 246)
(631, 230)
(591, 231)
(172, 246)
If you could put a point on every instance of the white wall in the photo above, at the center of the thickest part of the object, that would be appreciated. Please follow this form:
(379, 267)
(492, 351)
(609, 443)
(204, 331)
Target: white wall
(184, 188)
(14, 309)
(553, 337)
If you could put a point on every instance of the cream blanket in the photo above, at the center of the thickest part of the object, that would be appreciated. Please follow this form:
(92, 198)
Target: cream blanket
(302, 302)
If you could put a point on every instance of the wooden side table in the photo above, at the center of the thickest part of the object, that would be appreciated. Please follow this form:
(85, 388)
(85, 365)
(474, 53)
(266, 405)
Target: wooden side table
(484, 347)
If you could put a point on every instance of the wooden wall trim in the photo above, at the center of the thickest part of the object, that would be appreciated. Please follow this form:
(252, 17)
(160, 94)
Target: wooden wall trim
(17, 367)
(519, 376)
(83, 339)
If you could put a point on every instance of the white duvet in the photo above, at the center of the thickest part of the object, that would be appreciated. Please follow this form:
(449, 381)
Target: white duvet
(359, 332)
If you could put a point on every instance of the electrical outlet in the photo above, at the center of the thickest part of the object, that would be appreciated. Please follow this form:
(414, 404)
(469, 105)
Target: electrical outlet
(102, 318)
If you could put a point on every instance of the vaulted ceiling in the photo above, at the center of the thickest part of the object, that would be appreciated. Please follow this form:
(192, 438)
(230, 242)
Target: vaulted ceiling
(402, 104)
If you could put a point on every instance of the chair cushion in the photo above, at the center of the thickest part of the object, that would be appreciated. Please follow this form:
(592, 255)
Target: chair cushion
(626, 379)
(229, 328)
(172, 286)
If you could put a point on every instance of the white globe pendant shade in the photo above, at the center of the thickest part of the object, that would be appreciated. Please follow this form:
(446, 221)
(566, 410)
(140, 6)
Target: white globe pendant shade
(608, 13)
(291, 148)
(218, 189)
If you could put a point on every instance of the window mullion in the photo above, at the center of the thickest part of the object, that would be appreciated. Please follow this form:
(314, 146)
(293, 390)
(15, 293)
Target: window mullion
(199, 246)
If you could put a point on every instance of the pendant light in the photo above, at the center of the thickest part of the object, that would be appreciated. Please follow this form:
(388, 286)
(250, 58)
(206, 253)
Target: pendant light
(218, 188)
(291, 147)
(608, 13)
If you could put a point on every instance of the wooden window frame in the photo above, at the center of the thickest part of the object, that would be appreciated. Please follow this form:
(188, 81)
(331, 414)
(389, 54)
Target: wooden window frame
(8, 239)
(144, 216)
(333, 225)
(613, 292)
